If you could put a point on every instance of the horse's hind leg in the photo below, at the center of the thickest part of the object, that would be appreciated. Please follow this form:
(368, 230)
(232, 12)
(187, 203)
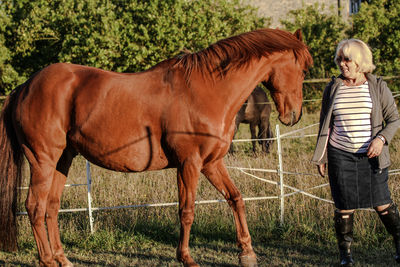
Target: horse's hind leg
(42, 173)
(218, 175)
(53, 206)
(188, 176)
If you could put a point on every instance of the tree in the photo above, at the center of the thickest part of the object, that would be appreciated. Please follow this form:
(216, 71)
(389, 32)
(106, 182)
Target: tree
(8, 76)
(123, 36)
(377, 23)
(321, 32)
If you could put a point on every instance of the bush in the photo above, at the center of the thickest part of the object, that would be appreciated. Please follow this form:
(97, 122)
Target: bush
(8, 76)
(322, 33)
(123, 36)
(377, 24)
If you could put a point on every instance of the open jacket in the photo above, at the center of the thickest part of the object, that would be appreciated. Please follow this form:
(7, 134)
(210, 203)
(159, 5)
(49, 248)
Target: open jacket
(384, 117)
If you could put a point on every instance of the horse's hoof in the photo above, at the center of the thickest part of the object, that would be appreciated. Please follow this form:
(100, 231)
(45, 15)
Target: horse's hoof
(191, 264)
(52, 263)
(62, 260)
(67, 263)
(187, 261)
(248, 261)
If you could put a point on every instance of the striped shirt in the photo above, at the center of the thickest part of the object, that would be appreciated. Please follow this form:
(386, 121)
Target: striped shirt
(352, 119)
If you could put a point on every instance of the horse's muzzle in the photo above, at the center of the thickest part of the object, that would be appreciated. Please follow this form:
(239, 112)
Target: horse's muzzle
(291, 118)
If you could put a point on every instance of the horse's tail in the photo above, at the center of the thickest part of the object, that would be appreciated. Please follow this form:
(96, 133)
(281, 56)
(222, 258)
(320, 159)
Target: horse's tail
(10, 174)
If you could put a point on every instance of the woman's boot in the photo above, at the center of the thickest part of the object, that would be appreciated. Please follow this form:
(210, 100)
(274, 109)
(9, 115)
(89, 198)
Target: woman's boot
(344, 234)
(391, 219)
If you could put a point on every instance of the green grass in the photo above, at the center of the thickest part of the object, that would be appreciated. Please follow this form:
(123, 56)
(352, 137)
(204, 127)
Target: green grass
(149, 236)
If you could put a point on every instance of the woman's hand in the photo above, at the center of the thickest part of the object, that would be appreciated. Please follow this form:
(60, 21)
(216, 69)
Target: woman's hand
(375, 147)
(321, 169)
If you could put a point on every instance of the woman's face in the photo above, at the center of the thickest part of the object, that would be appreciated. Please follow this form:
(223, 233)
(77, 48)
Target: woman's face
(348, 68)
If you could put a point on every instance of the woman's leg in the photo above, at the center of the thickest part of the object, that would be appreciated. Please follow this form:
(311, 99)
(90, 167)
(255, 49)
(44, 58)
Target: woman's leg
(389, 215)
(344, 233)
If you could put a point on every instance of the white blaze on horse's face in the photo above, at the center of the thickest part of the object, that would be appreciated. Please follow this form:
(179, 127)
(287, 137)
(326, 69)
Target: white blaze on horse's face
(286, 86)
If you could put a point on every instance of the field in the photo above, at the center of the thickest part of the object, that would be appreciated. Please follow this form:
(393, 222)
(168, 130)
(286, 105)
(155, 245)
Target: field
(148, 236)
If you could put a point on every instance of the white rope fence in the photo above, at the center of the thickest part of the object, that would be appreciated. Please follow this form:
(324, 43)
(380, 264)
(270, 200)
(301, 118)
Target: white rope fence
(281, 185)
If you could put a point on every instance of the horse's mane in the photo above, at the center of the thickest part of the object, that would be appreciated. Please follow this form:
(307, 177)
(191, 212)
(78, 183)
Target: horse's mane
(236, 51)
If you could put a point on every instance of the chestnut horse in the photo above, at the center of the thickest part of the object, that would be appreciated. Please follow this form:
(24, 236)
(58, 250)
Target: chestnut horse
(178, 114)
(256, 112)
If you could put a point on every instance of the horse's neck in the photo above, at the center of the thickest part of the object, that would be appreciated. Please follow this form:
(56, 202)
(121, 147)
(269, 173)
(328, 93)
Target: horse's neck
(237, 86)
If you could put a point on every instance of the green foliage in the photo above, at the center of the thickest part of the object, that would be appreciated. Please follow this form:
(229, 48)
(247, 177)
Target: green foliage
(377, 24)
(133, 35)
(8, 76)
(321, 32)
(123, 36)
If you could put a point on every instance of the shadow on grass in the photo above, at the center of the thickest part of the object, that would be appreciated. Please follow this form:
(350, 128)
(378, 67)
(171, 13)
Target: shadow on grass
(212, 244)
(284, 253)
(155, 228)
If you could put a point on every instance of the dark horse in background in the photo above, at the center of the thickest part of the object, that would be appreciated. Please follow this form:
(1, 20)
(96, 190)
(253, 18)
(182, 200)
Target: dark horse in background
(256, 112)
(178, 114)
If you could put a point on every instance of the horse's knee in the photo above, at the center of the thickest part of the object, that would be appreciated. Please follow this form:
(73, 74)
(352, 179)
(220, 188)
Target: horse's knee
(239, 201)
(53, 208)
(235, 201)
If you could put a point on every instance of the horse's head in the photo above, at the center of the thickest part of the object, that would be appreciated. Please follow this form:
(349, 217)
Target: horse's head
(285, 81)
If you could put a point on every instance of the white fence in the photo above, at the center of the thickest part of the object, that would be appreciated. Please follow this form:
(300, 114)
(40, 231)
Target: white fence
(280, 171)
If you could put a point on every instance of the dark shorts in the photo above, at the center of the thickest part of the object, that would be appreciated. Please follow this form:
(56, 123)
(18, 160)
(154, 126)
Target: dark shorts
(355, 180)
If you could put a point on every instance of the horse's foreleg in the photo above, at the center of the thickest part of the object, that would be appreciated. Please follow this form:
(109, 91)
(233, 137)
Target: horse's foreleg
(218, 175)
(188, 176)
(253, 136)
(231, 147)
(262, 135)
(270, 135)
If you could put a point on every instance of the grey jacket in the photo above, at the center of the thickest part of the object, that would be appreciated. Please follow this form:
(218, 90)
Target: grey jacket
(384, 117)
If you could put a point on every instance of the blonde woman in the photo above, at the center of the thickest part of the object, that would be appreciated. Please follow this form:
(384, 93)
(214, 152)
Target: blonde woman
(358, 120)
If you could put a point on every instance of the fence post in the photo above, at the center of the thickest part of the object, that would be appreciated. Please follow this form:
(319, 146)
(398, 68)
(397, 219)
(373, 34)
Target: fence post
(280, 171)
(89, 188)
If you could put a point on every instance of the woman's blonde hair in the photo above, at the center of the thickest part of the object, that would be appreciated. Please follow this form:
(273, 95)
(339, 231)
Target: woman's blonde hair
(358, 52)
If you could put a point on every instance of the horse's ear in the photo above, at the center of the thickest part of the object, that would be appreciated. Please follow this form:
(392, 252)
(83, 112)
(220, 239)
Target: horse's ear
(298, 34)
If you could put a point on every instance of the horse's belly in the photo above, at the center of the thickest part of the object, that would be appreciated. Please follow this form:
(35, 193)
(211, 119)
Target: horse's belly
(122, 154)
